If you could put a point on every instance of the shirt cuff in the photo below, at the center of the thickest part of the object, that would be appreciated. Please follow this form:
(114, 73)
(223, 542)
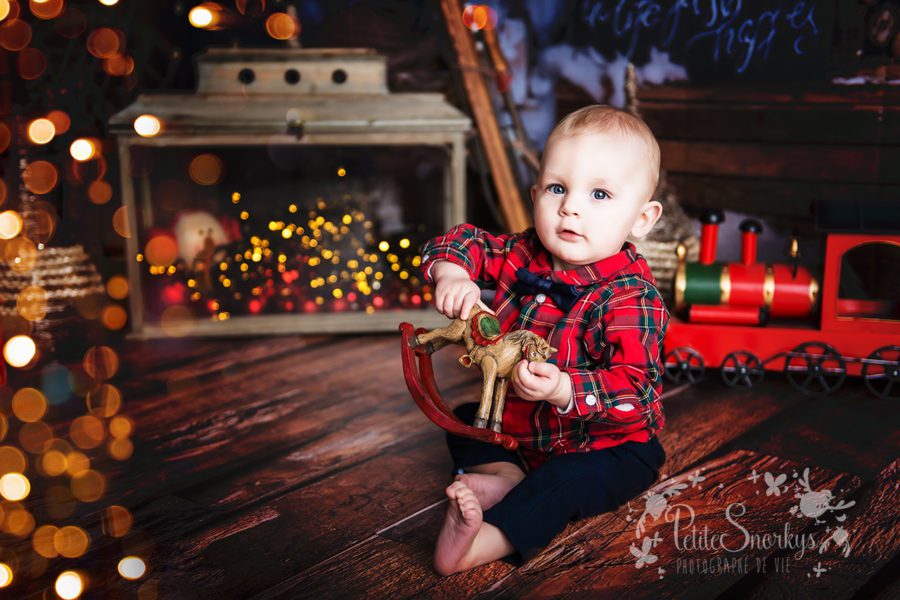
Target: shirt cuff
(449, 255)
(568, 408)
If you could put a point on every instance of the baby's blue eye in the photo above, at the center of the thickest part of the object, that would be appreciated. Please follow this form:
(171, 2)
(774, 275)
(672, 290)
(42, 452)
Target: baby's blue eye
(555, 188)
(599, 195)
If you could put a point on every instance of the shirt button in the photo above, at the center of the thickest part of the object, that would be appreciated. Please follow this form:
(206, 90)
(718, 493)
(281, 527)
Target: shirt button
(540, 298)
(591, 400)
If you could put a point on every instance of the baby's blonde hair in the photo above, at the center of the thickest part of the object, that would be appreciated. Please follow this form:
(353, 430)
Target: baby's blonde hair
(603, 118)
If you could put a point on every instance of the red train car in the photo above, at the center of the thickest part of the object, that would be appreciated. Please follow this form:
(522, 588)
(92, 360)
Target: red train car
(746, 318)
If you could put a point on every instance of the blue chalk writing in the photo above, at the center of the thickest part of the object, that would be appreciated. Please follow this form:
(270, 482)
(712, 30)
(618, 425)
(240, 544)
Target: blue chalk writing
(729, 28)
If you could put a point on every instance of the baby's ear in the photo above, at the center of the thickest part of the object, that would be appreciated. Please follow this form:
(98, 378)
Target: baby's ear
(646, 219)
(533, 193)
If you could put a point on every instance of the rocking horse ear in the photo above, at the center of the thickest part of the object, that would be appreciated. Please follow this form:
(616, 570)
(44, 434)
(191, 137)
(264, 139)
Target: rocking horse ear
(553, 350)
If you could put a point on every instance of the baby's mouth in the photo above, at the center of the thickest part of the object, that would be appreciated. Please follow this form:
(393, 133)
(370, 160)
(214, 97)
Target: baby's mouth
(568, 234)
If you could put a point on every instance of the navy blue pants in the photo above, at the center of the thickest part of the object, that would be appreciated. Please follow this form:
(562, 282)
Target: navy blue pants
(566, 487)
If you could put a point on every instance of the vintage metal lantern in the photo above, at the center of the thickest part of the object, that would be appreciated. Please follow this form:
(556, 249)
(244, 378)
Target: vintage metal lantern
(290, 193)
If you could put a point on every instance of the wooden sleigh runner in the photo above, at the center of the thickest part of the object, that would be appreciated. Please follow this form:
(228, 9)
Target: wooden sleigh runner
(494, 352)
(419, 374)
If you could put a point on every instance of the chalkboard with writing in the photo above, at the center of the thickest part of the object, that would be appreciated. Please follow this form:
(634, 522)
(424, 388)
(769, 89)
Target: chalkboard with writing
(716, 40)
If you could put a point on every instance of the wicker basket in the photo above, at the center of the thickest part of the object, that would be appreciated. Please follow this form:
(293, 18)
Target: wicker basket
(673, 227)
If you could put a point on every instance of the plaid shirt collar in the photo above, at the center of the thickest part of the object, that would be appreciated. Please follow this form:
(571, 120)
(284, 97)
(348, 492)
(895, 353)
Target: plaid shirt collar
(585, 275)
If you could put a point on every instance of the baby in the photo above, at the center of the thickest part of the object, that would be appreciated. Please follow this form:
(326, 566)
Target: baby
(587, 419)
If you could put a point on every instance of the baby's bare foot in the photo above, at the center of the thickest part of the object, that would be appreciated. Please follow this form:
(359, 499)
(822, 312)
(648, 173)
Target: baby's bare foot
(489, 489)
(460, 527)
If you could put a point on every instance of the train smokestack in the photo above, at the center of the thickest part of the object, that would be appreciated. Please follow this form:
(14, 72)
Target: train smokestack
(709, 235)
(751, 229)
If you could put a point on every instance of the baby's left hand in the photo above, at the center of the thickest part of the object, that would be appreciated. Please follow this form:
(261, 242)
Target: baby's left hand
(536, 381)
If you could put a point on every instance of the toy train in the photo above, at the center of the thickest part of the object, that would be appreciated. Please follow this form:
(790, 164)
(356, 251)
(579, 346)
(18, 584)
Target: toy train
(747, 318)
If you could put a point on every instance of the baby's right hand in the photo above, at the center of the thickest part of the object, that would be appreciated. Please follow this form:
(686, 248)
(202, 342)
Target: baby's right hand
(454, 293)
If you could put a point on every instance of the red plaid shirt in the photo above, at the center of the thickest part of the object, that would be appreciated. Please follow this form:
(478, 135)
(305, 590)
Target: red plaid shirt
(609, 342)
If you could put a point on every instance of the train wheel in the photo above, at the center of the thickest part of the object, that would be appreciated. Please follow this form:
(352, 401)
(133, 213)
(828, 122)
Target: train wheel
(684, 365)
(881, 372)
(815, 368)
(742, 369)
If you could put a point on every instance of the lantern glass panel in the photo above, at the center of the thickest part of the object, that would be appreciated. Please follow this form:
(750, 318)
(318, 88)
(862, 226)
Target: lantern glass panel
(233, 231)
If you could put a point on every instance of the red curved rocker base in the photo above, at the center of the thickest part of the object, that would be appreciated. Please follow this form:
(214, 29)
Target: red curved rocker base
(419, 375)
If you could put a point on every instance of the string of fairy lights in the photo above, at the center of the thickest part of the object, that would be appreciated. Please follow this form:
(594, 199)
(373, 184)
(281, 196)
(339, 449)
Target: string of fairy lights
(321, 257)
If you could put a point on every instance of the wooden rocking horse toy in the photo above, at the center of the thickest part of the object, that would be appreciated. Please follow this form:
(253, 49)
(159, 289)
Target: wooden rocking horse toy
(486, 346)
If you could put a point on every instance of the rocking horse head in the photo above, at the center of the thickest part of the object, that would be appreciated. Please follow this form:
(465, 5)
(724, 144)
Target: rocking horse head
(534, 347)
(537, 350)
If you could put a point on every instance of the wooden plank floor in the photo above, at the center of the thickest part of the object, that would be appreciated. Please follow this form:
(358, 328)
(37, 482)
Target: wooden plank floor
(297, 467)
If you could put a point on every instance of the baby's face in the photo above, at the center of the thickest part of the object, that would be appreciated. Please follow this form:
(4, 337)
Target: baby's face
(592, 190)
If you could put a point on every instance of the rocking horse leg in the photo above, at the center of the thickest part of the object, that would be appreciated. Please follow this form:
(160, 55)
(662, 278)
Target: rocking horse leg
(489, 369)
(499, 402)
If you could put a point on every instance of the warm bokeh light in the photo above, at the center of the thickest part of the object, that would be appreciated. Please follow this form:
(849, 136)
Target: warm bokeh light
(100, 362)
(161, 250)
(206, 16)
(4, 12)
(117, 287)
(10, 224)
(132, 567)
(114, 317)
(71, 541)
(47, 9)
(282, 26)
(100, 192)
(19, 521)
(90, 306)
(205, 169)
(109, 2)
(54, 463)
(77, 462)
(19, 350)
(12, 460)
(42, 540)
(15, 35)
(40, 177)
(116, 521)
(60, 120)
(147, 125)
(3, 191)
(120, 222)
(88, 486)
(31, 303)
(104, 401)
(41, 131)
(4, 426)
(29, 405)
(104, 43)
(87, 432)
(83, 149)
(20, 254)
(479, 16)
(6, 573)
(119, 427)
(120, 65)
(14, 487)
(35, 437)
(120, 449)
(69, 585)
